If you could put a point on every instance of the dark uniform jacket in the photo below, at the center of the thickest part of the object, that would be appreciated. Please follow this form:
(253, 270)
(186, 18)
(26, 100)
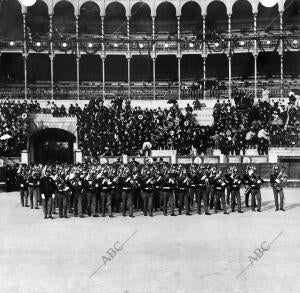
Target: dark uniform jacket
(33, 181)
(255, 182)
(22, 181)
(47, 186)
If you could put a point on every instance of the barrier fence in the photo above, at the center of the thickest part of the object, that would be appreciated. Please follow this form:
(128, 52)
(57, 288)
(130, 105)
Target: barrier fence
(285, 140)
(138, 92)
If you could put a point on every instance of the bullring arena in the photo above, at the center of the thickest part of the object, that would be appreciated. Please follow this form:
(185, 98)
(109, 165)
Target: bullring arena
(149, 146)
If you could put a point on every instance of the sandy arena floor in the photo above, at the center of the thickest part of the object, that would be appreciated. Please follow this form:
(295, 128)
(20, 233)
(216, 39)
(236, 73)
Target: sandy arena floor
(161, 254)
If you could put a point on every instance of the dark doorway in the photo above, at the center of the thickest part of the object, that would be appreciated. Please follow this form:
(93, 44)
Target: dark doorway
(52, 145)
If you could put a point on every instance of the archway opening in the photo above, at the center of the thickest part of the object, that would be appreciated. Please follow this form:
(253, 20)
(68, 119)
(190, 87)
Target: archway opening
(38, 19)
(140, 21)
(64, 17)
(242, 17)
(191, 18)
(216, 18)
(52, 145)
(115, 19)
(166, 19)
(89, 18)
(11, 20)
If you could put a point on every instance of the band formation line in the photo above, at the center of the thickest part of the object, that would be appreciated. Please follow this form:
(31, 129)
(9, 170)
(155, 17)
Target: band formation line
(99, 189)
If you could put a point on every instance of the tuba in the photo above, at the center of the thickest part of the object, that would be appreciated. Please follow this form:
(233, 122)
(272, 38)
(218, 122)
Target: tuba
(281, 179)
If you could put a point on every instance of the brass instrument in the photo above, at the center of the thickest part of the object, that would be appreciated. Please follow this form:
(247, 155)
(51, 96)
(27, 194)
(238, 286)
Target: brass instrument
(247, 190)
(281, 180)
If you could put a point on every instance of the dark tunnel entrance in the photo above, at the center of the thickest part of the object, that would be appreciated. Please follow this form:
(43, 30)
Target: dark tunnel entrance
(52, 145)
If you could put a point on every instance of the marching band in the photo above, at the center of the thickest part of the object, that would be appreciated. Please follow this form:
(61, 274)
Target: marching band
(106, 189)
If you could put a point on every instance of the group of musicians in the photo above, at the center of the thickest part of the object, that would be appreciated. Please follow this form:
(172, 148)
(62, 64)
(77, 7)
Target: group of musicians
(95, 189)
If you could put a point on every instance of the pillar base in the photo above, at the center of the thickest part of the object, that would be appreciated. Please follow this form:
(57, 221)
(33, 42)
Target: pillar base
(78, 157)
(25, 157)
(251, 152)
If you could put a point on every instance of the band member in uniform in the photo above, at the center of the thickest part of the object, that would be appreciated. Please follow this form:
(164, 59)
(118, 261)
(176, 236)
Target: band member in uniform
(114, 175)
(48, 188)
(158, 169)
(91, 186)
(228, 186)
(23, 182)
(246, 181)
(105, 193)
(193, 184)
(33, 188)
(211, 188)
(62, 194)
(278, 180)
(168, 186)
(78, 193)
(183, 182)
(201, 190)
(255, 183)
(219, 187)
(127, 184)
(147, 184)
(235, 183)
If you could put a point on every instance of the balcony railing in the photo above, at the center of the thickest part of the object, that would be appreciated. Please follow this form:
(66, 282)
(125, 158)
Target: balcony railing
(285, 140)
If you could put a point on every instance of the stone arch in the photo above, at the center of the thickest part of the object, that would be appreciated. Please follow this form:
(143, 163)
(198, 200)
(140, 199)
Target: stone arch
(140, 20)
(64, 16)
(252, 3)
(115, 18)
(83, 2)
(55, 2)
(216, 16)
(11, 20)
(89, 18)
(208, 3)
(201, 4)
(38, 18)
(133, 3)
(158, 3)
(191, 17)
(51, 145)
(122, 2)
(166, 18)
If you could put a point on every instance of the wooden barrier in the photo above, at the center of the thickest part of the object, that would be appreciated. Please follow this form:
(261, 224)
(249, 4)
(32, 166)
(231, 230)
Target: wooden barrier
(197, 159)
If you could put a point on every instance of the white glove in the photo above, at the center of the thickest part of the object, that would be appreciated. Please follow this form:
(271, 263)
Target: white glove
(43, 196)
(53, 195)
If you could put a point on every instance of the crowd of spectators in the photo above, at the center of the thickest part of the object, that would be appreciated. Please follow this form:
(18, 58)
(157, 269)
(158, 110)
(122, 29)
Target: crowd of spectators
(14, 125)
(15, 119)
(248, 124)
(119, 128)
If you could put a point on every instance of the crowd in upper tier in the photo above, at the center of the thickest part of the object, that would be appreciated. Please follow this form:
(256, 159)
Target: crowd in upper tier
(118, 128)
(14, 125)
(246, 124)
